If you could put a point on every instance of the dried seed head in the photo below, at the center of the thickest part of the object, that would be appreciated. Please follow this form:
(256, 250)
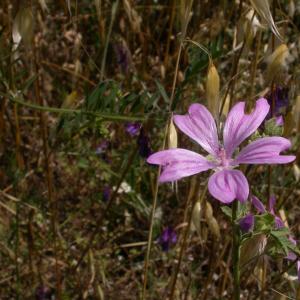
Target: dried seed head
(23, 27)
(277, 62)
(213, 90)
(43, 4)
(211, 221)
(196, 217)
(251, 24)
(214, 228)
(262, 7)
(172, 136)
(134, 18)
(296, 171)
(292, 8)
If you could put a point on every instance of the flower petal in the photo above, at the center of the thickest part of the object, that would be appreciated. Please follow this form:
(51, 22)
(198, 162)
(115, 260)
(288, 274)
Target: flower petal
(239, 125)
(258, 205)
(272, 203)
(199, 125)
(228, 185)
(178, 163)
(247, 223)
(265, 151)
(278, 222)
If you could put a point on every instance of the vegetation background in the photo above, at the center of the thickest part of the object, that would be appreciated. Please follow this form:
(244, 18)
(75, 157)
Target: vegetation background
(87, 88)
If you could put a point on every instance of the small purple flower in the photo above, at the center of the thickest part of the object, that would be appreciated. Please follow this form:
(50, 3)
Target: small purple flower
(167, 239)
(226, 184)
(247, 223)
(106, 193)
(281, 100)
(144, 144)
(43, 293)
(123, 56)
(133, 128)
(100, 149)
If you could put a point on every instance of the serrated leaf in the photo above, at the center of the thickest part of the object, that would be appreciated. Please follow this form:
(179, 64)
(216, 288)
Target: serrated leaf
(264, 222)
(281, 237)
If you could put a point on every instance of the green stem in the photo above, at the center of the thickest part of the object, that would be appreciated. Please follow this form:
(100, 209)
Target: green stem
(235, 252)
(104, 116)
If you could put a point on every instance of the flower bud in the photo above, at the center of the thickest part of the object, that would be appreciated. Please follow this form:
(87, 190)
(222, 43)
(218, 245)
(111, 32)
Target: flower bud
(213, 90)
(277, 62)
(211, 221)
(23, 27)
(274, 126)
(196, 217)
(172, 136)
(247, 223)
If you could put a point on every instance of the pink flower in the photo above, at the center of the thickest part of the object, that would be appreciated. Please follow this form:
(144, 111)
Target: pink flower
(227, 183)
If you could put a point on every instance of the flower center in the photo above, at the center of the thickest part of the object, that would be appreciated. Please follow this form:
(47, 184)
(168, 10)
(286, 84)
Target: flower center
(222, 159)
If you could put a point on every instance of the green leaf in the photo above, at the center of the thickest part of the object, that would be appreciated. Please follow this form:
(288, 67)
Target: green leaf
(162, 91)
(264, 222)
(281, 238)
(227, 211)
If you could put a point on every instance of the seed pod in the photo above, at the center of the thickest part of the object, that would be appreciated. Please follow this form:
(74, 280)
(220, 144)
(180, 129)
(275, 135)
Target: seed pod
(296, 171)
(262, 7)
(211, 221)
(23, 27)
(277, 62)
(172, 136)
(44, 6)
(213, 90)
(291, 9)
(196, 217)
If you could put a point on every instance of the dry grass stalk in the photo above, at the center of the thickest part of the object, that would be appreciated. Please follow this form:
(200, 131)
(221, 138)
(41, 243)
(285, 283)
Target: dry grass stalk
(262, 7)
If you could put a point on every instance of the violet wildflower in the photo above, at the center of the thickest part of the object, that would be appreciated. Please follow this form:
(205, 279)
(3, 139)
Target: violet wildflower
(43, 293)
(144, 144)
(227, 183)
(281, 101)
(133, 128)
(167, 238)
(123, 56)
(100, 149)
(247, 223)
(106, 193)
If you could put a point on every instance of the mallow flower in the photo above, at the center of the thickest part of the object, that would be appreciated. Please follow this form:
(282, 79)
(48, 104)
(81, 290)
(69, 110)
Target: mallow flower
(226, 183)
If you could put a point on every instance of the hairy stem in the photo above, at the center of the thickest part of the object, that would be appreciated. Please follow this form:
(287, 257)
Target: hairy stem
(235, 252)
